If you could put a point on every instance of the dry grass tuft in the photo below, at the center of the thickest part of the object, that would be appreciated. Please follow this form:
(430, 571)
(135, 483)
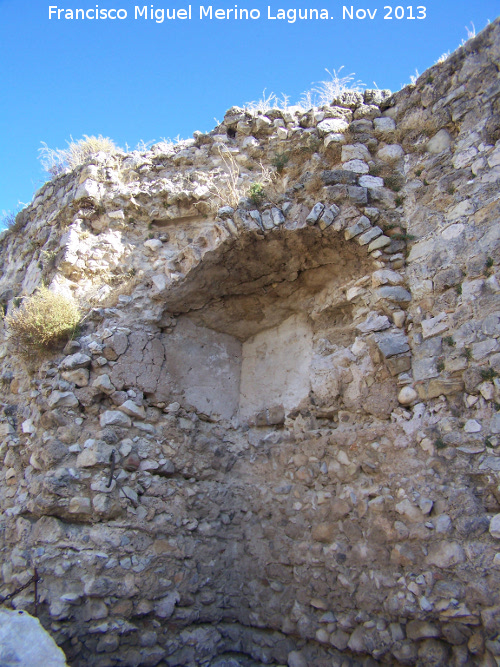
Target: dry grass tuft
(227, 187)
(57, 160)
(43, 322)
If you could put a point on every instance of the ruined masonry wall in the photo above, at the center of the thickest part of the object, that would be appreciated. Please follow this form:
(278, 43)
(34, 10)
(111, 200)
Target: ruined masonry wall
(300, 391)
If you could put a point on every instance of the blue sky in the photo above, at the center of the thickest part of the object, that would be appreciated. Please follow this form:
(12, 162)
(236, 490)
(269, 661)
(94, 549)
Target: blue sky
(136, 79)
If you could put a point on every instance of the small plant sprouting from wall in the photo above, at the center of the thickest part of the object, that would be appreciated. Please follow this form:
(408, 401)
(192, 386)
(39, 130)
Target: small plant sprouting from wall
(256, 193)
(42, 322)
(279, 161)
(488, 266)
(8, 220)
(227, 188)
(488, 373)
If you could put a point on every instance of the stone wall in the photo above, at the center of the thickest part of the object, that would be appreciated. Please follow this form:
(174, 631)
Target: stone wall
(299, 391)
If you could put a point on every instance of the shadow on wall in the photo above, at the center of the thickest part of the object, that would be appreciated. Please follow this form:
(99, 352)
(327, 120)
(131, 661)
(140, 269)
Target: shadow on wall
(272, 340)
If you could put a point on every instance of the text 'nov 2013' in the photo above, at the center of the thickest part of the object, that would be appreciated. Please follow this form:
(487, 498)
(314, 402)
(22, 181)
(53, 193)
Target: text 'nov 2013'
(235, 13)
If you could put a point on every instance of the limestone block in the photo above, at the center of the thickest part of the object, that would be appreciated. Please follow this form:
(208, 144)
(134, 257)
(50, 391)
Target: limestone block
(421, 630)
(357, 166)
(390, 153)
(164, 608)
(369, 236)
(392, 343)
(78, 360)
(133, 410)
(315, 213)
(296, 659)
(332, 125)
(24, 643)
(495, 526)
(355, 152)
(379, 242)
(407, 396)
(374, 322)
(371, 182)
(89, 189)
(324, 532)
(62, 399)
(360, 226)
(394, 294)
(80, 376)
(153, 245)
(435, 325)
(99, 453)
(384, 125)
(439, 142)
(114, 418)
(104, 384)
(328, 216)
(333, 138)
(340, 176)
(445, 554)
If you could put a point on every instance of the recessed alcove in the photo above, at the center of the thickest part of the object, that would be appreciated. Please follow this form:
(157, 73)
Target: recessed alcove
(252, 317)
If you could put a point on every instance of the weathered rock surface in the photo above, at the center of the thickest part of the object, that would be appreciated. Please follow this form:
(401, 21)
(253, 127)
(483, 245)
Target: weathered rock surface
(276, 439)
(24, 642)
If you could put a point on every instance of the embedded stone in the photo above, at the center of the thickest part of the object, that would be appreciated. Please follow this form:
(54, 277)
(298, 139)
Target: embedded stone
(395, 294)
(323, 532)
(495, 526)
(80, 376)
(374, 322)
(445, 554)
(360, 226)
(440, 142)
(340, 176)
(24, 642)
(384, 125)
(153, 244)
(370, 182)
(104, 384)
(73, 361)
(392, 343)
(133, 410)
(357, 166)
(114, 418)
(407, 396)
(369, 235)
(332, 125)
(315, 213)
(390, 153)
(62, 399)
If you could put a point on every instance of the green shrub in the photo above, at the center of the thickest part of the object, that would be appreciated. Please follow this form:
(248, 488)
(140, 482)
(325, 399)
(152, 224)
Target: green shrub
(279, 161)
(439, 443)
(256, 193)
(42, 322)
(488, 373)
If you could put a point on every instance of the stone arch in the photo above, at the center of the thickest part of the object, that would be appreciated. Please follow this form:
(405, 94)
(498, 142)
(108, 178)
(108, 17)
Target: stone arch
(283, 309)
